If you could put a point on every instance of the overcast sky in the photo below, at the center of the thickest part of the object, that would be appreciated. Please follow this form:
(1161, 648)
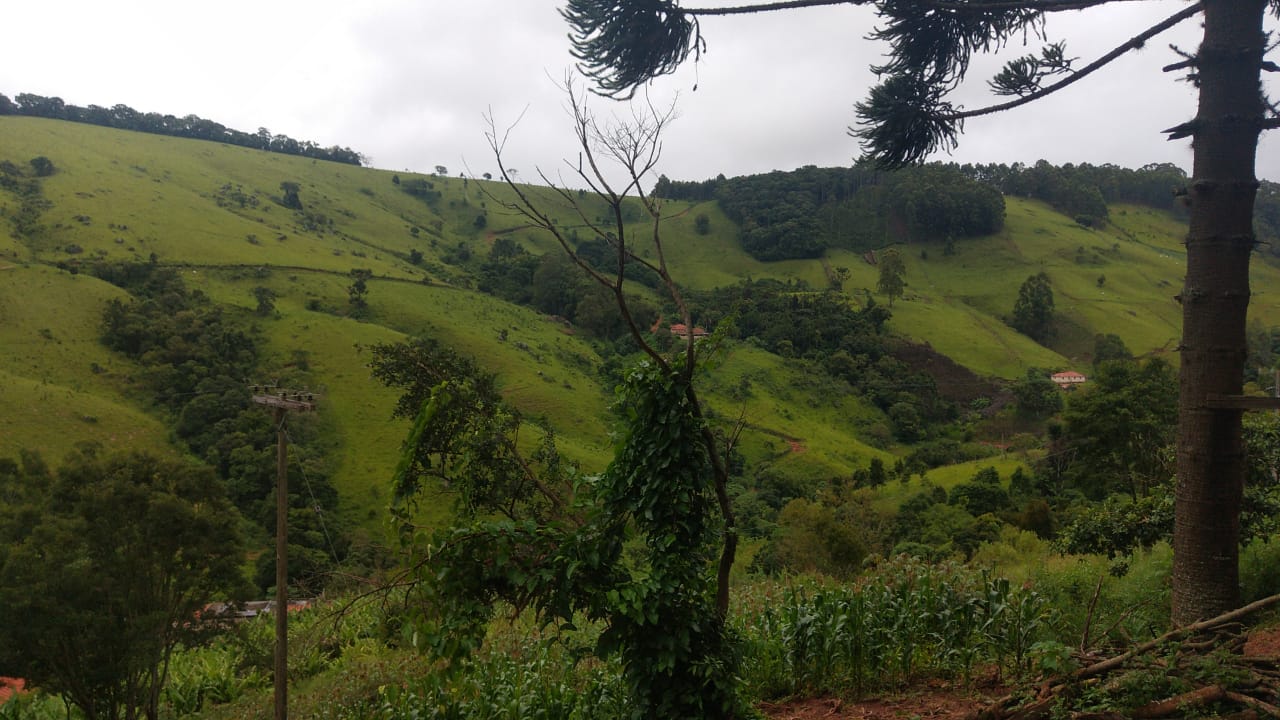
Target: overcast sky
(408, 82)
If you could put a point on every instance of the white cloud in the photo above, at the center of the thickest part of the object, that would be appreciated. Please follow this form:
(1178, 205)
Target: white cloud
(408, 82)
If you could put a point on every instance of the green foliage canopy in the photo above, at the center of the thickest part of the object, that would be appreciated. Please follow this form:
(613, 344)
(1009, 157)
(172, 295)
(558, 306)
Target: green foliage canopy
(800, 213)
(657, 603)
(196, 358)
(1037, 395)
(1033, 310)
(1118, 430)
(107, 563)
(891, 283)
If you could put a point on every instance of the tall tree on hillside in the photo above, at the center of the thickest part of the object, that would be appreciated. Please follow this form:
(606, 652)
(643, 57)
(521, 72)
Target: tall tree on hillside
(291, 199)
(890, 282)
(358, 290)
(623, 44)
(1033, 310)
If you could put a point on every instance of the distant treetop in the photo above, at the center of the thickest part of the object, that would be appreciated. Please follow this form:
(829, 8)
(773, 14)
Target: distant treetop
(190, 126)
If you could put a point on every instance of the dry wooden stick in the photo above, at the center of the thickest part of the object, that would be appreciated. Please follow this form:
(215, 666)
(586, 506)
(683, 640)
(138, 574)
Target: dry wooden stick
(1254, 703)
(1168, 706)
(1002, 709)
(1088, 619)
(1111, 663)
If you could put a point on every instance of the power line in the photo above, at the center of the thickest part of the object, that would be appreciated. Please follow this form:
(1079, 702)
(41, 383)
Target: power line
(315, 504)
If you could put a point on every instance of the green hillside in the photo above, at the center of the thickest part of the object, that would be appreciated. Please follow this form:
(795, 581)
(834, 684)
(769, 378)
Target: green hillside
(215, 213)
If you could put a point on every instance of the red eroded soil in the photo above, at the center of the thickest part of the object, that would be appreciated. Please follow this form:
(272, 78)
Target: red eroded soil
(1263, 642)
(931, 701)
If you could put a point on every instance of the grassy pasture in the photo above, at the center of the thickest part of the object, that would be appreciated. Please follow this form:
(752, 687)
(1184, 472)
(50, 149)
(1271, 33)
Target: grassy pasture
(890, 495)
(213, 211)
(53, 419)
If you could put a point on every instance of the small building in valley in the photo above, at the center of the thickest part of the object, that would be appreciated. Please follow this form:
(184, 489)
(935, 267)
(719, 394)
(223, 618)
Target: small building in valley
(1067, 379)
(683, 332)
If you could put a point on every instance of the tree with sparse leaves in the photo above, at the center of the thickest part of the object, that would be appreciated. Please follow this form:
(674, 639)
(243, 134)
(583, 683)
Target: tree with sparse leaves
(358, 290)
(623, 44)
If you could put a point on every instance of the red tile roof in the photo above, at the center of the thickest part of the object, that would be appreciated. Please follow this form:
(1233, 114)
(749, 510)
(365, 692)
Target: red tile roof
(10, 687)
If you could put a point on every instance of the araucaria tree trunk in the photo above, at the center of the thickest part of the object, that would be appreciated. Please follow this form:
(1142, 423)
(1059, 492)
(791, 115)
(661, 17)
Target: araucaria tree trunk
(1215, 300)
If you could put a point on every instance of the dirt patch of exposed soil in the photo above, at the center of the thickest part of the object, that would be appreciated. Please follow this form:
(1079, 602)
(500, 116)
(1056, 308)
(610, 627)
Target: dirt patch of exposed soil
(1263, 642)
(933, 701)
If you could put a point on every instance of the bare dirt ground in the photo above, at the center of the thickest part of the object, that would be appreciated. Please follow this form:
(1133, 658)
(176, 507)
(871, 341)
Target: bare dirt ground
(933, 701)
(1263, 642)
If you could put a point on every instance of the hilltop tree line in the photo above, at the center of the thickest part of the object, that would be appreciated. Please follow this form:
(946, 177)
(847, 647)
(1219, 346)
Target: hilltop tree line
(190, 126)
(798, 214)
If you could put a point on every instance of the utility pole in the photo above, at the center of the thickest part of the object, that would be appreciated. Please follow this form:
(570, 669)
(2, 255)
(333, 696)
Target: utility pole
(282, 401)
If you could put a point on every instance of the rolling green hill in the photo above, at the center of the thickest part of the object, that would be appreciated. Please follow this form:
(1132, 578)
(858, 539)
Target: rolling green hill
(214, 212)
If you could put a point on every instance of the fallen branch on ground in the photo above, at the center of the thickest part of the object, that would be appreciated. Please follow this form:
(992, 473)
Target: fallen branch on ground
(1264, 678)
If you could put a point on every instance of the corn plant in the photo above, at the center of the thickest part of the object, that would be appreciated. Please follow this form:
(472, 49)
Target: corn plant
(905, 622)
(543, 684)
(1016, 621)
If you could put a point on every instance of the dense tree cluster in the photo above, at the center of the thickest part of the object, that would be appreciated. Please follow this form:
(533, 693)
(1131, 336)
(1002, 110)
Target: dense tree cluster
(798, 214)
(26, 186)
(552, 284)
(1117, 433)
(1120, 525)
(793, 321)
(802, 212)
(196, 359)
(190, 126)
(847, 344)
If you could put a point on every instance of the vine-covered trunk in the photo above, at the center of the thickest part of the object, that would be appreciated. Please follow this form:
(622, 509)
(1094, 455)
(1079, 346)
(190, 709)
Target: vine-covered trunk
(1215, 300)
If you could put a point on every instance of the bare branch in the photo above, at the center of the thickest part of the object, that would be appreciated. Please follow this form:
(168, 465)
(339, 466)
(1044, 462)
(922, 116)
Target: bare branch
(1134, 43)
(1041, 5)
(635, 154)
(768, 7)
(954, 5)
